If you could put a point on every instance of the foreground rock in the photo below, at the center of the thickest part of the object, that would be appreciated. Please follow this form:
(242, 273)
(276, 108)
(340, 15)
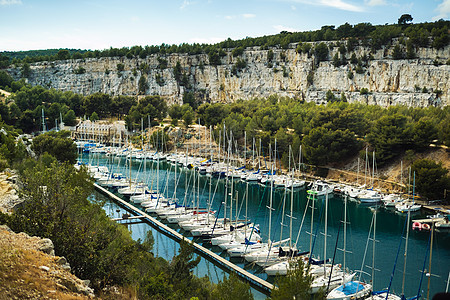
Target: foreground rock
(29, 270)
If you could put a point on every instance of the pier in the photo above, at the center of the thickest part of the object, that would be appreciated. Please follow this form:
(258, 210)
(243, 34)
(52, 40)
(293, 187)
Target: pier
(254, 280)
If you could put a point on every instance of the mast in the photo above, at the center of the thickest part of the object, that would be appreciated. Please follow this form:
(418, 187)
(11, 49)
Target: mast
(325, 237)
(357, 174)
(429, 264)
(245, 148)
(312, 222)
(292, 199)
(259, 155)
(210, 178)
(300, 160)
(373, 169)
(43, 121)
(345, 231)
(270, 207)
(373, 244)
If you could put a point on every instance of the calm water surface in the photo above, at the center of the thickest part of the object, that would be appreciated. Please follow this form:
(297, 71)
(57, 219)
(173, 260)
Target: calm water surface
(389, 229)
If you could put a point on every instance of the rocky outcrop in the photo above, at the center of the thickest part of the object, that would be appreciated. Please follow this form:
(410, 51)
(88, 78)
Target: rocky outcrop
(31, 271)
(8, 191)
(422, 81)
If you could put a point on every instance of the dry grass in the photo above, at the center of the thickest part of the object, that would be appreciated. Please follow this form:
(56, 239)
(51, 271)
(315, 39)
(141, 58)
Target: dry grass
(22, 278)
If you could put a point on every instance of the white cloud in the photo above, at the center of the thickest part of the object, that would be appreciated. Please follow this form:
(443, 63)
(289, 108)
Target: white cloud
(185, 4)
(443, 10)
(376, 2)
(230, 17)
(10, 2)
(248, 16)
(293, 7)
(339, 4)
(135, 19)
(280, 28)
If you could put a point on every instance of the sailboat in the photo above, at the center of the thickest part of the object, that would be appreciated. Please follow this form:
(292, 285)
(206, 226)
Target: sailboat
(355, 289)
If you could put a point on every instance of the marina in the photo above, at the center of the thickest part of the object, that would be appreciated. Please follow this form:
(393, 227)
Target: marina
(389, 232)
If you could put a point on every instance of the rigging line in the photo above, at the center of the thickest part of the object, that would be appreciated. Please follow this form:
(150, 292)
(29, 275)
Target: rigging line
(315, 235)
(367, 246)
(334, 254)
(396, 258)
(301, 224)
(423, 268)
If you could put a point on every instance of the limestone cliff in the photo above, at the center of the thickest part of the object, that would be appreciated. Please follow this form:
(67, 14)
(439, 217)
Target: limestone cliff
(422, 81)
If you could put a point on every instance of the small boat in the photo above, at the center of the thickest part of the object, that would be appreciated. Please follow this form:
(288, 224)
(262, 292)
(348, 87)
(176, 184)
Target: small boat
(426, 226)
(321, 188)
(391, 200)
(407, 206)
(417, 226)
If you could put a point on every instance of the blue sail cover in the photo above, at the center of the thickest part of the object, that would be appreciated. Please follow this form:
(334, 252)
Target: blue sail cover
(351, 288)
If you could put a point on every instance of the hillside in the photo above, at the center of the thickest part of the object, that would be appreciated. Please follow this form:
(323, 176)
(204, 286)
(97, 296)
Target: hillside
(361, 75)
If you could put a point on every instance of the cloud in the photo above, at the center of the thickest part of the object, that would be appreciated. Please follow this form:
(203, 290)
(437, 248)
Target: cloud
(293, 7)
(185, 4)
(244, 16)
(443, 10)
(375, 2)
(339, 4)
(135, 19)
(10, 2)
(280, 28)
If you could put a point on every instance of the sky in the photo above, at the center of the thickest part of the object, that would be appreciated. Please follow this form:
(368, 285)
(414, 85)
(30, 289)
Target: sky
(101, 24)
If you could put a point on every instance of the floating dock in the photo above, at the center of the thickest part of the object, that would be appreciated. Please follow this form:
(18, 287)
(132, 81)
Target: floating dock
(254, 280)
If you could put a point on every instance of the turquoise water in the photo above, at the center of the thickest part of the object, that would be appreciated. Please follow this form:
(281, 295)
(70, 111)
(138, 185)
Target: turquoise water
(389, 229)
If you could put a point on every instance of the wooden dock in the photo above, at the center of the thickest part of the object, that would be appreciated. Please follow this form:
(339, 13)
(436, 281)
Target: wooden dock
(254, 280)
(127, 218)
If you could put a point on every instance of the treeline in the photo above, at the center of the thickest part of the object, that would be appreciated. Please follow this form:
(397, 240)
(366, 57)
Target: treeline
(433, 34)
(328, 133)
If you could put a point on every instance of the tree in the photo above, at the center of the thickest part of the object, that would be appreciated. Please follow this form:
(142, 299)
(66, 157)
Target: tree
(188, 116)
(99, 103)
(63, 54)
(94, 117)
(405, 19)
(390, 135)
(321, 52)
(70, 119)
(26, 70)
(431, 179)
(143, 85)
(57, 144)
(397, 53)
(323, 146)
(425, 131)
(296, 284)
(232, 288)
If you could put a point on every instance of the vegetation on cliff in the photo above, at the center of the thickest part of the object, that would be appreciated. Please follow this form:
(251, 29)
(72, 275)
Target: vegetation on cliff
(434, 34)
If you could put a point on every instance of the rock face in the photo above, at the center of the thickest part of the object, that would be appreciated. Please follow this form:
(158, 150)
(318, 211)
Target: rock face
(31, 271)
(422, 81)
(8, 191)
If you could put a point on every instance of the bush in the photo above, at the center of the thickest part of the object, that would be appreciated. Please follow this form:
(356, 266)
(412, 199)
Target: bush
(431, 179)
(79, 70)
(364, 91)
(120, 67)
